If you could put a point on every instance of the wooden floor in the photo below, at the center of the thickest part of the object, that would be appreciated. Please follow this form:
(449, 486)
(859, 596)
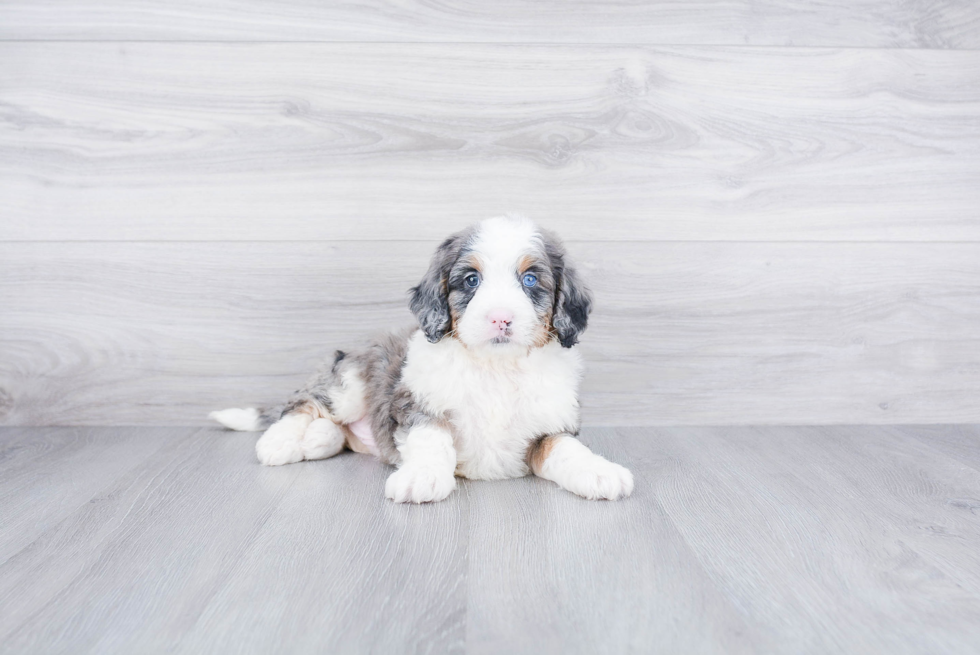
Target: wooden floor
(792, 540)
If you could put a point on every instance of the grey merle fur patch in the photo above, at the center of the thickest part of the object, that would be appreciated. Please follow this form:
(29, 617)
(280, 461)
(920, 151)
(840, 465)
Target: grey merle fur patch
(573, 300)
(430, 298)
(559, 296)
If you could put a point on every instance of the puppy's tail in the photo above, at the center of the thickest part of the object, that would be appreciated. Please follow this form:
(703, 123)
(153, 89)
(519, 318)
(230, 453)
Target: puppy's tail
(250, 419)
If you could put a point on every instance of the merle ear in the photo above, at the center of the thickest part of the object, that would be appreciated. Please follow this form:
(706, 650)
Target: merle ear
(572, 307)
(573, 300)
(430, 299)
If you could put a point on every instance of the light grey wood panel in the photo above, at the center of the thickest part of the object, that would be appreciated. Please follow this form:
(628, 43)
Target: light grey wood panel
(206, 551)
(823, 535)
(340, 569)
(784, 333)
(696, 333)
(180, 328)
(960, 442)
(46, 475)
(868, 23)
(552, 573)
(184, 141)
(137, 566)
(776, 540)
(934, 493)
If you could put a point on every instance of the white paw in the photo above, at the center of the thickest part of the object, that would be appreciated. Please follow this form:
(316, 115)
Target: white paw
(597, 478)
(282, 443)
(419, 484)
(323, 439)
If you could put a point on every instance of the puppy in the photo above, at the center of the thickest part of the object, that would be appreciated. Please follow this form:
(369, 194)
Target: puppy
(486, 387)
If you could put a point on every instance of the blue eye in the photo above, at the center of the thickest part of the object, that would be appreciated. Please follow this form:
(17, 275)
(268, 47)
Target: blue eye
(472, 280)
(530, 280)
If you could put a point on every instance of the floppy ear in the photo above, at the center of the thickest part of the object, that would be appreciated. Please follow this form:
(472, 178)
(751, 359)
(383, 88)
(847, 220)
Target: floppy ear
(430, 299)
(573, 301)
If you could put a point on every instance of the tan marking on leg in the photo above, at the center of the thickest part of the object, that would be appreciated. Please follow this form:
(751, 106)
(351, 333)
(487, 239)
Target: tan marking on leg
(311, 408)
(538, 453)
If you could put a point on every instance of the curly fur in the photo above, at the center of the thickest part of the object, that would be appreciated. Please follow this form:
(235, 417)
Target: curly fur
(486, 387)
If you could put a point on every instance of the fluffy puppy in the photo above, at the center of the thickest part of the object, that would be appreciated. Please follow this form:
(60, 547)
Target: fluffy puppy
(486, 387)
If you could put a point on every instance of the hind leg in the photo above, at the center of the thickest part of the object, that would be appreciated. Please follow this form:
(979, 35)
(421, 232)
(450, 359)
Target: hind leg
(322, 439)
(310, 428)
(282, 442)
(298, 436)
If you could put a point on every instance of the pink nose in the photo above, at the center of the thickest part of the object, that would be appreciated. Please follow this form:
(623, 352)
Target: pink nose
(500, 319)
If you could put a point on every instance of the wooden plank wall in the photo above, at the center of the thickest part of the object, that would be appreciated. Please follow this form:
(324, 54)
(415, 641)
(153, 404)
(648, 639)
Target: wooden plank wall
(778, 204)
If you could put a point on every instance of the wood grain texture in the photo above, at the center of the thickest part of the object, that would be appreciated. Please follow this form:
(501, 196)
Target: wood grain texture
(736, 539)
(815, 532)
(339, 569)
(232, 141)
(551, 573)
(202, 548)
(149, 552)
(959, 442)
(695, 333)
(47, 475)
(862, 23)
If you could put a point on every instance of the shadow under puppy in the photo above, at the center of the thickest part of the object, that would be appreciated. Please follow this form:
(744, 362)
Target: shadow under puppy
(485, 388)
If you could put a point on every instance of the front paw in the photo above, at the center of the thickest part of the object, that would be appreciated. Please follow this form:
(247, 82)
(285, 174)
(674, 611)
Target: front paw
(599, 479)
(419, 484)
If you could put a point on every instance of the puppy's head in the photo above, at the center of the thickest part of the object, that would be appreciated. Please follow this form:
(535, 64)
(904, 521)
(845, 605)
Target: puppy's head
(503, 285)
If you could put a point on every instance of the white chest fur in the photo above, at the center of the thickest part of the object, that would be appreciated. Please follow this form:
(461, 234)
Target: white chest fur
(496, 404)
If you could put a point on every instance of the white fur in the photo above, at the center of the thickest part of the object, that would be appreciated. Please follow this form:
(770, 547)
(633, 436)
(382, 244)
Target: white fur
(426, 473)
(576, 468)
(246, 420)
(322, 439)
(500, 244)
(498, 404)
(348, 403)
(498, 398)
(281, 442)
(298, 436)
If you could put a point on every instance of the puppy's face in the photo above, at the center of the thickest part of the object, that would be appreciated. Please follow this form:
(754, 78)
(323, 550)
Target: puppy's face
(502, 285)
